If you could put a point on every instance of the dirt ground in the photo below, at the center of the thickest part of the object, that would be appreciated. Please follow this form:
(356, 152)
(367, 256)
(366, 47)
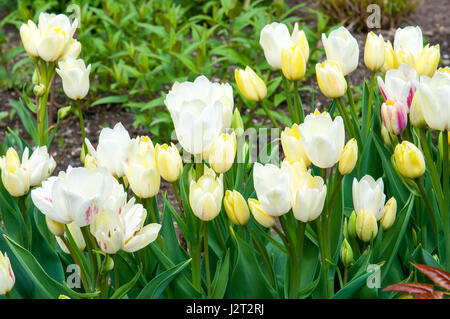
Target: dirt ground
(432, 16)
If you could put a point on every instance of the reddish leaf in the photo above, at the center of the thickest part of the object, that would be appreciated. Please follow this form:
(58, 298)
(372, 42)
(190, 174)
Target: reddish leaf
(438, 276)
(434, 295)
(411, 288)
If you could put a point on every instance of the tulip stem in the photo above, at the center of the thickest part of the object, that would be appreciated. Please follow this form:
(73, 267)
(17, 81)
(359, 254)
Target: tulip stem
(206, 255)
(74, 256)
(272, 119)
(369, 104)
(287, 91)
(429, 207)
(178, 198)
(350, 98)
(343, 112)
(300, 115)
(153, 218)
(84, 150)
(90, 243)
(219, 232)
(195, 252)
(116, 273)
(301, 227)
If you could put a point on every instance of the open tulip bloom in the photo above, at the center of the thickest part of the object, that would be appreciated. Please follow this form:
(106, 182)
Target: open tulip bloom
(139, 219)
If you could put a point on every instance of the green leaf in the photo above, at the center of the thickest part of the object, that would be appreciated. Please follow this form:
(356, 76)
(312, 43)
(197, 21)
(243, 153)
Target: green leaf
(157, 285)
(220, 281)
(114, 99)
(122, 290)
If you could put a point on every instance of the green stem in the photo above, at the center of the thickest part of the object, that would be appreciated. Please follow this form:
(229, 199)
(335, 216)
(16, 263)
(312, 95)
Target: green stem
(153, 218)
(301, 227)
(369, 104)
(196, 267)
(343, 112)
(350, 98)
(429, 207)
(272, 119)
(300, 115)
(83, 131)
(116, 273)
(199, 169)
(206, 255)
(287, 91)
(178, 198)
(219, 232)
(91, 244)
(74, 256)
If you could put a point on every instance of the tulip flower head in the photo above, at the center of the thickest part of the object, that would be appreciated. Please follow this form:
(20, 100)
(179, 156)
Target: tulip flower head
(140, 168)
(206, 194)
(75, 77)
(366, 226)
(374, 51)
(40, 164)
(368, 196)
(293, 62)
(250, 84)
(408, 42)
(112, 149)
(201, 111)
(409, 160)
(331, 79)
(349, 157)
(223, 151)
(168, 162)
(15, 177)
(390, 211)
(390, 61)
(7, 278)
(272, 188)
(415, 113)
(259, 214)
(428, 60)
(394, 116)
(236, 208)
(275, 37)
(323, 139)
(342, 47)
(346, 254)
(293, 146)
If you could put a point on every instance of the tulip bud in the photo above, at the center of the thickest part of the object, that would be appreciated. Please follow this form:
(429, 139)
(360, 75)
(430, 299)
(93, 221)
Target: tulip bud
(236, 123)
(351, 228)
(29, 34)
(428, 60)
(374, 52)
(223, 151)
(236, 208)
(293, 63)
(346, 254)
(331, 79)
(409, 160)
(415, 112)
(349, 157)
(345, 231)
(414, 236)
(387, 137)
(366, 226)
(403, 56)
(7, 278)
(75, 77)
(64, 112)
(15, 178)
(168, 162)
(35, 77)
(259, 214)
(108, 265)
(293, 146)
(394, 116)
(54, 227)
(250, 84)
(205, 195)
(390, 210)
(389, 57)
(39, 90)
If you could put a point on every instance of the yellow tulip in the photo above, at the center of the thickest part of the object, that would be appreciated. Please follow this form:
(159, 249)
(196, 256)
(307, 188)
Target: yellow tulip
(54, 227)
(293, 63)
(205, 195)
(15, 177)
(374, 51)
(331, 79)
(404, 56)
(346, 253)
(222, 153)
(390, 61)
(415, 112)
(428, 60)
(168, 162)
(366, 226)
(293, 146)
(236, 208)
(349, 157)
(390, 211)
(259, 214)
(250, 84)
(409, 160)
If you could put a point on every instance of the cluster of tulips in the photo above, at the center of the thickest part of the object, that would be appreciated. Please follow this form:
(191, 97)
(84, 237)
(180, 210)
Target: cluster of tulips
(102, 209)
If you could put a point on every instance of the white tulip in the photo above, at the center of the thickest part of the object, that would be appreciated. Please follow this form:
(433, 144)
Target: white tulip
(409, 40)
(7, 278)
(323, 138)
(342, 47)
(272, 188)
(73, 50)
(40, 165)
(75, 77)
(30, 36)
(400, 85)
(112, 149)
(140, 168)
(76, 195)
(275, 37)
(15, 177)
(368, 196)
(307, 193)
(434, 97)
(201, 111)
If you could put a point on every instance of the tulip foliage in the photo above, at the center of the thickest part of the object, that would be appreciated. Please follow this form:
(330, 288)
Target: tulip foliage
(360, 191)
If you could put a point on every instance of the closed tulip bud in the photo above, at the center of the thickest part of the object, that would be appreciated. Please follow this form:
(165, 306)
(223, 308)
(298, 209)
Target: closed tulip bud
(405, 57)
(140, 168)
(77, 236)
(394, 116)
(15, 177)
(415, 112)
(7, 278)
(331, 79)
(293, 146)
(205, 195)
(39, 89)
(293, 63)
(414, 237)
(387, 137)
(223, 151)
(374, 51)
(428, 60)
(366, 226)
(168, 162)
(90, 163)
(259, 214)
(351, 228)
(108, 264)
(409, 160)
(40, 165)
(250, 84)
(236, 208)
(346, 254)
(368, 196)
(236, 123)
(29, 34)
(54, 227)
(389, 57)
(75, 77)
(349, 157)
(341, 46)
(390, 211)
